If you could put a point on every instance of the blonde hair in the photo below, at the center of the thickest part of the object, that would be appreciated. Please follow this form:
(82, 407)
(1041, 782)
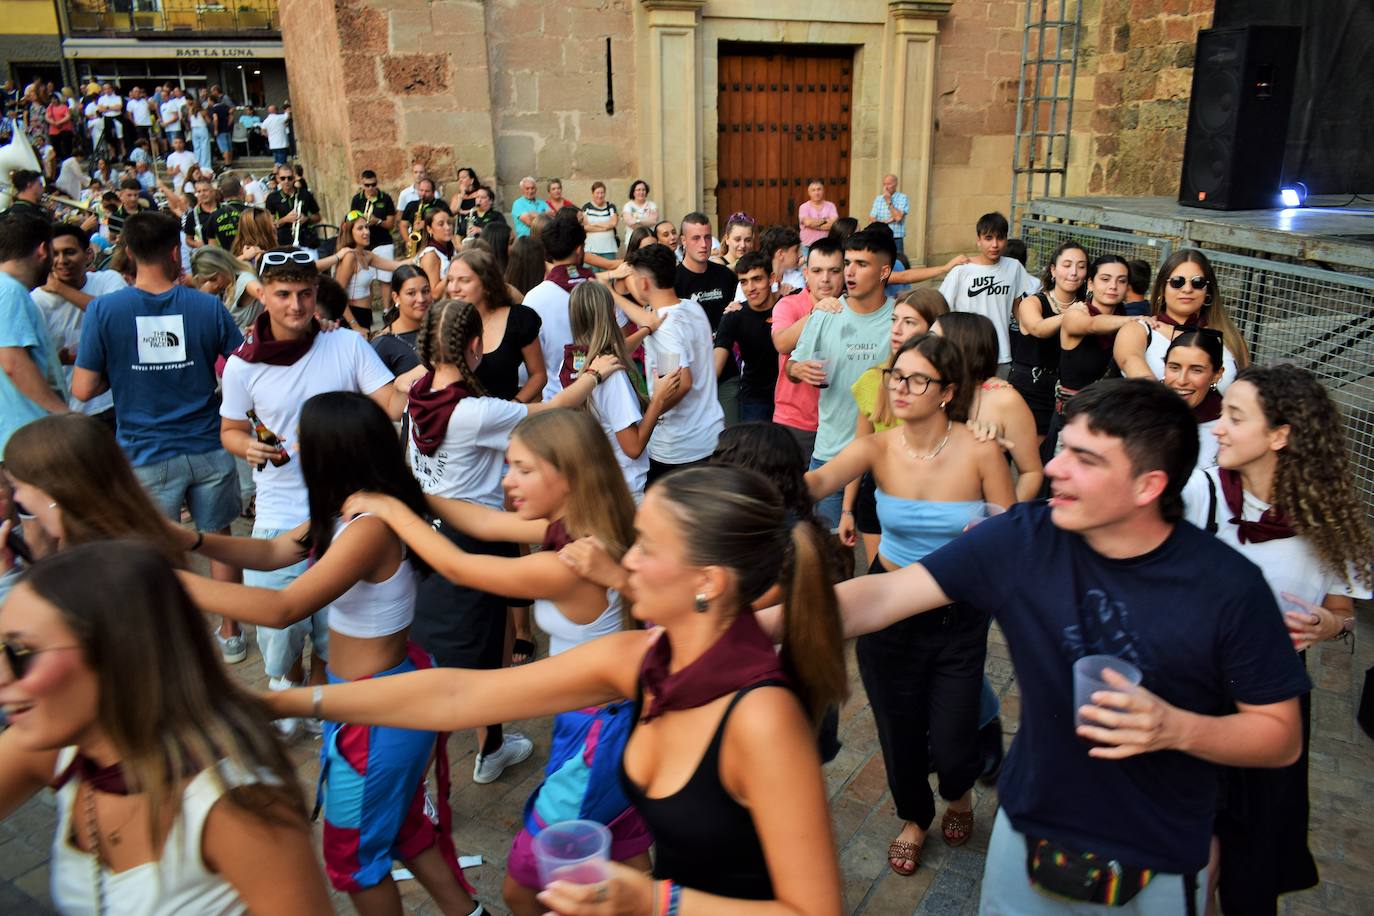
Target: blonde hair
(212, 261)
(591, 312)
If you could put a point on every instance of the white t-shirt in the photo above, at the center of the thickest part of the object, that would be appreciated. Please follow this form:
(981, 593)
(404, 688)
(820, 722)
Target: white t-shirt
(171, 114)
(274, 125)
(138, 110)
(689, 431)
(406, 196)
(64, 325)
(467, 464)
(255, 192)
(1158, 348)
(94, 123)
(550, 302)
(989, 290)
(110, 105)
(180, 162)
(337, 361)
(616, 406)
(1289, 564)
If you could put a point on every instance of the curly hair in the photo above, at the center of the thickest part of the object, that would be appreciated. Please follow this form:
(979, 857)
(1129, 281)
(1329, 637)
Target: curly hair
(1312, 482)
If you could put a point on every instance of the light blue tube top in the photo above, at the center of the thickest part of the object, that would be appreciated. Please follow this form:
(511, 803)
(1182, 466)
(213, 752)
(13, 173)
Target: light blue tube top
(913, 528)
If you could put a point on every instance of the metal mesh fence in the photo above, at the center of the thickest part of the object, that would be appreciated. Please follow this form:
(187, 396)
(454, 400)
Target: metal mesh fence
(1322, 320)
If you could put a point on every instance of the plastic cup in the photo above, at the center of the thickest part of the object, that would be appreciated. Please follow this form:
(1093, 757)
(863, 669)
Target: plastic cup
(825, 367)
(668, 363)
(1087, 680)
(573, 851)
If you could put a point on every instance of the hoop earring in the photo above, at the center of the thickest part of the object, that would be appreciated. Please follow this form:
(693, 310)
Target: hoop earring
(701, 604)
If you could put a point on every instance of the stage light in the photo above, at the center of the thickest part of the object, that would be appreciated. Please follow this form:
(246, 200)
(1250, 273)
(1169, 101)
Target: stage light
(1294, 195)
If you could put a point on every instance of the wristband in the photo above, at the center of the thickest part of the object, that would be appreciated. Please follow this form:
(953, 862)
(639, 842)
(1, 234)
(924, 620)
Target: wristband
(596, 375)
(674, 899)
(200, 539)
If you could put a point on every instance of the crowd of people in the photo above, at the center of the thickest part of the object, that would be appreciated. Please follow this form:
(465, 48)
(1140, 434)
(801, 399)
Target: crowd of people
(664, 449)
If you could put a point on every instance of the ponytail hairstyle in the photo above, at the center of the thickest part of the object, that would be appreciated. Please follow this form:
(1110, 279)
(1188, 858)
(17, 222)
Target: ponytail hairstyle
(947, 359)
(426, 222)
(448, 330)
(1313, 487)
(976, 338)
(1213, 313)
(1047, 277)
(735, 518)
(591, 312)
(1100, 262)
(399, 278)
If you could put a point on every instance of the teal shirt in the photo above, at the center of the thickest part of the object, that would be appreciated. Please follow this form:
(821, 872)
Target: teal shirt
(520, 208)
(22, 325)
(853, 343)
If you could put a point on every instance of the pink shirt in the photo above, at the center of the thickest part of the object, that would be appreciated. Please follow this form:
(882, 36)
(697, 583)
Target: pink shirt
(794, 404)
(809, 210)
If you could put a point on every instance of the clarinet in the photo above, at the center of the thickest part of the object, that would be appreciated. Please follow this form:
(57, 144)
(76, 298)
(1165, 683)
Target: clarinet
(296, 226)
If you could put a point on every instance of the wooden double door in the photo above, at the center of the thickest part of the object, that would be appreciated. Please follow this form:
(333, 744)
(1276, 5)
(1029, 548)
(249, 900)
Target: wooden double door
(784, 118)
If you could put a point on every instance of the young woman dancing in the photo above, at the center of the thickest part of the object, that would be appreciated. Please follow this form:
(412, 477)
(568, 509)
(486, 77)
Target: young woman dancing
(563, 485)
(510, 330)
(1283, 495)
(410, 300)
(172, 796)
(1193, 366)
(924, 676)
(1035, 326)
(722, 760)
(372, 780)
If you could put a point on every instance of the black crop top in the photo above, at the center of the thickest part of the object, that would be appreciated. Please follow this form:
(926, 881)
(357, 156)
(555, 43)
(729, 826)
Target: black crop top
(703, 838)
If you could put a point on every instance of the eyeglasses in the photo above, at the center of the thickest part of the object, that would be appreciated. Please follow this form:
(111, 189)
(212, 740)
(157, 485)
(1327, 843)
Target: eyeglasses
(896, 381)
(1195, 282)
(294, 255)
(20, 658)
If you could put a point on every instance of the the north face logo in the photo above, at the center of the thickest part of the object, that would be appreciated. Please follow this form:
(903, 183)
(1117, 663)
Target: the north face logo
(161, 339)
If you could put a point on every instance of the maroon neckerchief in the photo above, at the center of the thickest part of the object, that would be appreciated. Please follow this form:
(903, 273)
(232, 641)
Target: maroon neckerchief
(1272, 526)
(742, 657)
(260, 347)
(430, 409)
(109, 780)
(567, 277)
(1209, 409)
(568, 373)
(1195, 321)
(556, 536)
(1105, 341)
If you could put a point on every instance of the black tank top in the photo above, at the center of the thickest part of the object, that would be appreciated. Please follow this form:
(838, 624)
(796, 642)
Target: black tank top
(1086, 363)
(1028, 350)
(703, 838)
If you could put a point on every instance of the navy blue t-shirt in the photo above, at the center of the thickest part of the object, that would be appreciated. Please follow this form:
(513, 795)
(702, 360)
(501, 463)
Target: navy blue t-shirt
(158, 352)
(1194, 615)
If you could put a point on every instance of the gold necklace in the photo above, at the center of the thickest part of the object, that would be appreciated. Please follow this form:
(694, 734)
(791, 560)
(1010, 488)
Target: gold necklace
(906, 446)
(1058, 306)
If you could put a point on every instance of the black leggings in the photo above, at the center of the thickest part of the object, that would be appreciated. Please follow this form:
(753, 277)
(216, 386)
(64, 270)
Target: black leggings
(924, 678)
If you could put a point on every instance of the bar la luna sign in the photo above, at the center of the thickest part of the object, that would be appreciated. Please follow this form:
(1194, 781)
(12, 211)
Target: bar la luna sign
(214, 52)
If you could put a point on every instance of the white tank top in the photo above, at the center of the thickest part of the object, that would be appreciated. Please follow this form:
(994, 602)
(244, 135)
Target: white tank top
(443, 260)
(360, 284)
(565, 635)
(178, 882)
(372, 609)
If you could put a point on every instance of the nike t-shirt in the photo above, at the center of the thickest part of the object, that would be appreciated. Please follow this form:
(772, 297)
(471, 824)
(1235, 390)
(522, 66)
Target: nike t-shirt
(989, 290)
(158, 352)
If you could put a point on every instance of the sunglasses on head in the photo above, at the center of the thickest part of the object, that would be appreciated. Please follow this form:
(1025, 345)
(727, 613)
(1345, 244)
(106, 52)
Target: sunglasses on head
(741, 218)
(295, 255)
(19, 658)
(1195, 282)
(354, 214)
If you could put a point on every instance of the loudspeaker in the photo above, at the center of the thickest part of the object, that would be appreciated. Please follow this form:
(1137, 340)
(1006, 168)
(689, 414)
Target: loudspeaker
(1238, 117)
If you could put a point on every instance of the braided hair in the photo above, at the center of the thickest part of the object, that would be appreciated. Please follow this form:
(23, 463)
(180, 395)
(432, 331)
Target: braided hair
(449, 328)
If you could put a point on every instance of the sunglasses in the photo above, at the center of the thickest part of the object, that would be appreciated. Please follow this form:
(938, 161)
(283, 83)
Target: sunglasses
(20, 658)
(1195, 282)
(295, 255)
(369, 184)
(354, 214)
(741, 218)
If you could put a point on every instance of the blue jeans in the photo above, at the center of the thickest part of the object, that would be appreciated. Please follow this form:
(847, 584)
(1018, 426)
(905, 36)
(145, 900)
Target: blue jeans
(279, 155)
(281, 648)
(828, 509)
(200, 139)
(206, 484)
(755, 411)
(989, 707)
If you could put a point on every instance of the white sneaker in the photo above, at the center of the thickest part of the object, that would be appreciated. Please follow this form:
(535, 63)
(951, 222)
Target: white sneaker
(287, 728)
(515, 747)
(233, 648)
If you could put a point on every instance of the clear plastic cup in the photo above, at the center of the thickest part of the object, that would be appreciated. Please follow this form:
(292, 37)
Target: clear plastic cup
(1087, 680)
(824, 365)
(983, 513)
(573, 851)
(668, 363)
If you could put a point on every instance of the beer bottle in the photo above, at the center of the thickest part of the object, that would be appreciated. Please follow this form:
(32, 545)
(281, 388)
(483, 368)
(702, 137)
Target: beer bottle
(267, 437)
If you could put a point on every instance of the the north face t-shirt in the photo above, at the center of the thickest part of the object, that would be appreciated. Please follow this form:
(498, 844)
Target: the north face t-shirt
(158, 352)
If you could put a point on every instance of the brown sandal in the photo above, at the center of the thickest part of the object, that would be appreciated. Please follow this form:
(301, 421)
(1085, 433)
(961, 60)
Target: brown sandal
(900, 853)
(957, 826)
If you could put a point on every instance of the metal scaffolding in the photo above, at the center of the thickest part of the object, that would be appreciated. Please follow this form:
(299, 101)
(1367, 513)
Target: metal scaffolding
(1044, 101)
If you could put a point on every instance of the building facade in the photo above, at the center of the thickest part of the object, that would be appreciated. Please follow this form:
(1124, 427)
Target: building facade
(733, 104)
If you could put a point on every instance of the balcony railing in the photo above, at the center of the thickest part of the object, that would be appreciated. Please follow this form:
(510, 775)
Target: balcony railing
(151, 17)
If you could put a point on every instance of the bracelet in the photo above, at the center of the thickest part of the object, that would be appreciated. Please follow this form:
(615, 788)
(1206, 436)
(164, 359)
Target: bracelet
(316, 697)
(660, 895)
(674, 899)
(846, 511)
(200, 539)
(596, 375)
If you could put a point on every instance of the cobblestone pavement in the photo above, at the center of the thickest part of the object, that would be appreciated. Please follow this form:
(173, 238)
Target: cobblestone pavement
(486, 817)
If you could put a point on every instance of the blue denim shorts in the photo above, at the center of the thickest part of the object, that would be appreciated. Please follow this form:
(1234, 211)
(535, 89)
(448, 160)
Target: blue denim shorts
(281, 648)
(222, 141)
(207, 484)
